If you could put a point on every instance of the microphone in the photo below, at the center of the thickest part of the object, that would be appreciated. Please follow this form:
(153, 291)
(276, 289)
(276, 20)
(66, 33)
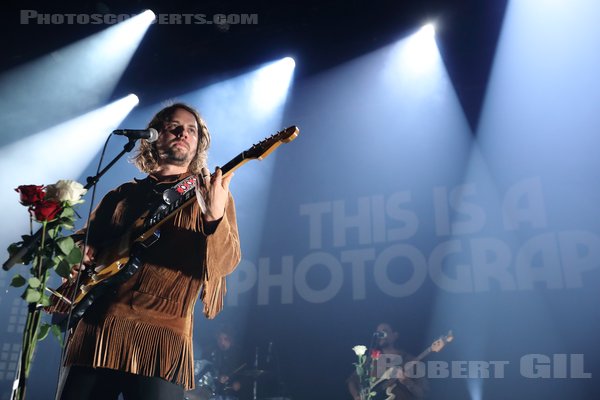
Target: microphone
(379, 334)
(150, 134)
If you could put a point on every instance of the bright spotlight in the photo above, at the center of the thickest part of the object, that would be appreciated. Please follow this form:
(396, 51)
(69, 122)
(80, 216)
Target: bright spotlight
(148, 16)
(270, 84)
(131, 100)
(129, 33)
(428, 30)
(289, 61)
(416, 56)
(421, 50)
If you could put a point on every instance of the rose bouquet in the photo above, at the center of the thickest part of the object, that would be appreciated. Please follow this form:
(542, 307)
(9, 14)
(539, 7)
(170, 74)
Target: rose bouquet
(52, 207)
(363, 368)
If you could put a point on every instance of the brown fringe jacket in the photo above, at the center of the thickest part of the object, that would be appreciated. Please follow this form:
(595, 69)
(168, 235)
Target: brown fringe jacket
(145, 327)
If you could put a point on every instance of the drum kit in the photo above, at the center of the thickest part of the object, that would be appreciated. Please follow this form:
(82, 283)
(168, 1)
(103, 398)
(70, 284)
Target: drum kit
(208, 386)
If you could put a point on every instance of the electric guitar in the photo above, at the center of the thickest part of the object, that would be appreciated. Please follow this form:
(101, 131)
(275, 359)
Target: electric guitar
(384, 386)
(122, 258)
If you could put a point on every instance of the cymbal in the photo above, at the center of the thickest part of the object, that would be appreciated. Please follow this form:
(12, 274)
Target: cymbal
(254, 373)
(201, 365)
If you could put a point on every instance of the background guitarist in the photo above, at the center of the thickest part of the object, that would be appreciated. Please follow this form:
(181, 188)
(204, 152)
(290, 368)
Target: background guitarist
(137, 340)
(400, 386)
(226, 359)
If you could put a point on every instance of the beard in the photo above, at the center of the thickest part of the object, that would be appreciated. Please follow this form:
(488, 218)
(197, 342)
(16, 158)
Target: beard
(176, 155)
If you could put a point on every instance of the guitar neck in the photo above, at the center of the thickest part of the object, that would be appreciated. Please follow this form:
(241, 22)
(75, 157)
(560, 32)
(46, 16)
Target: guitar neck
(234, 164)
(424, 354)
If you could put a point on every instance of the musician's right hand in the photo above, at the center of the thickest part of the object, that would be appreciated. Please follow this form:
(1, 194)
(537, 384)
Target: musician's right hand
(87, 262)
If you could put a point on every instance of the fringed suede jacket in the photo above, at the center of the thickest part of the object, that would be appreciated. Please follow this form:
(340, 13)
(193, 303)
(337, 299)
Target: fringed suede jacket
(145, 327)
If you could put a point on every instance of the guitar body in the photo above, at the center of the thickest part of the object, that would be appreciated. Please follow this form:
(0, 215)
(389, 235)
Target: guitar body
(118, 263)
(90, 291)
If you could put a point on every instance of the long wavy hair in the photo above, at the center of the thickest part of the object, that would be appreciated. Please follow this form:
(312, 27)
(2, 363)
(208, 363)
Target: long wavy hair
(146, 158)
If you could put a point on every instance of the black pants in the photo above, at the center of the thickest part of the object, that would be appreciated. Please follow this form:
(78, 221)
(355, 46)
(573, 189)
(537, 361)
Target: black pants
(84, 383)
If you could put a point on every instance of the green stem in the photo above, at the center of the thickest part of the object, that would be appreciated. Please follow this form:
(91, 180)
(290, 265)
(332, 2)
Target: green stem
(40, 259)
(32, 323)
(26, 352)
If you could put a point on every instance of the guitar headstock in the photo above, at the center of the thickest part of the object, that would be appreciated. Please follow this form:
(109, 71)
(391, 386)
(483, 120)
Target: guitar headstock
(265, 147)
(439, 344)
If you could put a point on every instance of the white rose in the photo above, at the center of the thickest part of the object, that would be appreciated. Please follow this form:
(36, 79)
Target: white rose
(359, 350)
(66, 190)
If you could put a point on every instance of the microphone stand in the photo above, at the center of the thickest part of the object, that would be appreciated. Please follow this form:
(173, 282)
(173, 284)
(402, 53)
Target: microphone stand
(281, 386)
(255, 383)
(91, 181)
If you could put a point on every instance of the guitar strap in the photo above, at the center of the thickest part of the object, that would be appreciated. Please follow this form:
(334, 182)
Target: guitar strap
(179, 189)
(172, 194)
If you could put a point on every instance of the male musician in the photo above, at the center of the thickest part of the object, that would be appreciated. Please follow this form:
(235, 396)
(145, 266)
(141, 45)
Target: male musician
(137, 340)
(386, 352)
(226, 359)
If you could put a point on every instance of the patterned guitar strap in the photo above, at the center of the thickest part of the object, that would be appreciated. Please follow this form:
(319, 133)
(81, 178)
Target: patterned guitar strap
(171, 195)
(179, 189)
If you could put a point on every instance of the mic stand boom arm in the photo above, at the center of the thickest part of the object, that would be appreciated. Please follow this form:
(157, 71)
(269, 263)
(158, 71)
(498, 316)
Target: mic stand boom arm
(91, 181)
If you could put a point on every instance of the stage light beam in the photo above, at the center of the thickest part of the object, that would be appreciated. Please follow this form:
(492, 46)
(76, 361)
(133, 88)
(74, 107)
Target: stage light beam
(414, 63)
(132, 100)
(148, 16)
(61, 152)
(428, 30)
(270, 85)
(421, 51)
(69, 81)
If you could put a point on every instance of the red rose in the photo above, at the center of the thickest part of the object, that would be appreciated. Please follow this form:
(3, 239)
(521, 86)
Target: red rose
(30, 194)
(375, 353)
(46, 210)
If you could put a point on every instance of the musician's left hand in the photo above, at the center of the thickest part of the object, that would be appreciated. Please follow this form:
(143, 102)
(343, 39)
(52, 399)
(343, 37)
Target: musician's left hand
(214, 193)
